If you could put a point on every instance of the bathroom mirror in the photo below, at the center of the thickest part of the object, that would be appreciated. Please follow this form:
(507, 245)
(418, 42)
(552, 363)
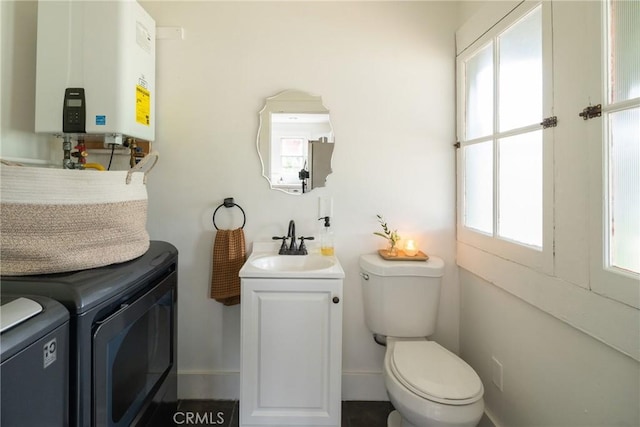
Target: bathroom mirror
(295, 142)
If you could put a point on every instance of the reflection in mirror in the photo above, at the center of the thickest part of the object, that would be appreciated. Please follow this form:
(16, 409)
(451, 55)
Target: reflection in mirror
(295, 142)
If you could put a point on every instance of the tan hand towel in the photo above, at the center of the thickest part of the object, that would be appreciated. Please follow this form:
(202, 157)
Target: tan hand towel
(229, 255)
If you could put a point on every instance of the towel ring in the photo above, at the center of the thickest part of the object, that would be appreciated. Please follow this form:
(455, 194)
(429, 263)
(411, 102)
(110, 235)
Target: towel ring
(229, 203)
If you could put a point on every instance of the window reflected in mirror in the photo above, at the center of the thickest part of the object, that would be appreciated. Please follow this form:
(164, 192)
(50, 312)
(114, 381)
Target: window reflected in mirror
(295, 142)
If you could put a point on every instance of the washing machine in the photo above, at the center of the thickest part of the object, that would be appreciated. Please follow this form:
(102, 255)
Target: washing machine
(34, 369)
(123, 345)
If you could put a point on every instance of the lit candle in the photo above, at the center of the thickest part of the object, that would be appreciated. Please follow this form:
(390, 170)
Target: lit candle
(410, 248)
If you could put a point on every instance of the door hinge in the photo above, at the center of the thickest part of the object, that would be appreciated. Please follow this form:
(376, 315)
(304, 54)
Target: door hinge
(549, 122)
(591, 111)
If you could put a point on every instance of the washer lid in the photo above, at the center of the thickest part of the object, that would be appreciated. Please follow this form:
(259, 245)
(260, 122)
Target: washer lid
(434, 373)
(17, 311)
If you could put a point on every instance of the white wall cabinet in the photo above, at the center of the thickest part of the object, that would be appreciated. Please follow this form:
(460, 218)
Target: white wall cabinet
(291, 351)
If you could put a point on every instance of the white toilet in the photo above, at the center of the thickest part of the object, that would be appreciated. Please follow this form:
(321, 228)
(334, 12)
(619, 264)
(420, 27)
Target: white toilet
(428, 385)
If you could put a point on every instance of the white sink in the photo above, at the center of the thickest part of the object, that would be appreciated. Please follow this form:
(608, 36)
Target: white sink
(271, 265)
(293, 262)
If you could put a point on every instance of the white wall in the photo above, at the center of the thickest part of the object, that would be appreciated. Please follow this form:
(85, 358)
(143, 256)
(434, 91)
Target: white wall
(17, 83)
(553, 374)
(386, 72)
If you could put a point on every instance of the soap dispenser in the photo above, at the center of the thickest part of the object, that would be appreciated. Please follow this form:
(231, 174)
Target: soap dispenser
(326, 237)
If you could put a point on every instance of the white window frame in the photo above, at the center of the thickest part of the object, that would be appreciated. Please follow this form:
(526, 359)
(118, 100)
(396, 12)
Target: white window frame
(569, 293)
(302, 157)
(539, 259)
(611, 282)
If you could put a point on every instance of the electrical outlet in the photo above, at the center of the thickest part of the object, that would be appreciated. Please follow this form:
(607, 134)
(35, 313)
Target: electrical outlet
(496, 372)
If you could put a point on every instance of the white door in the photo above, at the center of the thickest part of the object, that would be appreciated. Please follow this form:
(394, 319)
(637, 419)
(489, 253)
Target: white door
(291, 352)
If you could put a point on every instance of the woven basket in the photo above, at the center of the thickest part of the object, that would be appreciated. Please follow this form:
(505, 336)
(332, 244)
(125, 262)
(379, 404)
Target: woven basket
(59, 220)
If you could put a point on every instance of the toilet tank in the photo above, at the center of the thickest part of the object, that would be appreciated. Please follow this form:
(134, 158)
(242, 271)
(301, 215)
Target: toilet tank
(401, 297)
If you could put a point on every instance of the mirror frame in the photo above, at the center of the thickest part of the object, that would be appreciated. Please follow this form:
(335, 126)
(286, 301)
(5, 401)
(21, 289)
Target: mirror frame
(288, 101)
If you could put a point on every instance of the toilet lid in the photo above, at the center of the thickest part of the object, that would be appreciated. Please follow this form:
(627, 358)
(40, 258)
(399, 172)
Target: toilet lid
(433, 372)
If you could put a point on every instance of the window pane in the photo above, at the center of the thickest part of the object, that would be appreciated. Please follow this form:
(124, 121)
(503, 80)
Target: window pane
(624, 62)
(478, 186)
(624, 189)
(520, 73)
(293, 146)
(292, 162)
(479, 91)
(520, 184)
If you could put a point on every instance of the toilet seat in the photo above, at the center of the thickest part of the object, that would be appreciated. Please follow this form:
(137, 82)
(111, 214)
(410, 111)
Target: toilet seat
(434, 373)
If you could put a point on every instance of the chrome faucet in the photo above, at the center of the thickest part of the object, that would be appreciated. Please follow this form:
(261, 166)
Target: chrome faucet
(292, 235)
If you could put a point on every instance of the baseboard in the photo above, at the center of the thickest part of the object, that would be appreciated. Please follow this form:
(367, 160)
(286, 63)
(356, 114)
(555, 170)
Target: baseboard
(226, 385)
(488, 420)
(217, 385)
(363, 386)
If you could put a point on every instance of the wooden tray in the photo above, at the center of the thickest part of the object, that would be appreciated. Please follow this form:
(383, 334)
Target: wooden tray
(420, 256)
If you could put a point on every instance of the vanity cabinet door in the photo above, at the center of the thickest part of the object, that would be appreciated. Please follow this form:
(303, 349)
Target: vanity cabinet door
(291, 352)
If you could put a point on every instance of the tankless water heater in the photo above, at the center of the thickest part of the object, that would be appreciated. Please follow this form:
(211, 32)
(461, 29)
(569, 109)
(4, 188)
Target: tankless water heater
(95, 71)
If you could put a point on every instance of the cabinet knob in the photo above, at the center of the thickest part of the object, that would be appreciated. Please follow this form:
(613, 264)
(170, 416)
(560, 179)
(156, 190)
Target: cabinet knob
(336, 300)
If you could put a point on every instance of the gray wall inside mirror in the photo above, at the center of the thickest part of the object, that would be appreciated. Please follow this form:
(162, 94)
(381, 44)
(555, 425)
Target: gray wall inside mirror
(295, 142)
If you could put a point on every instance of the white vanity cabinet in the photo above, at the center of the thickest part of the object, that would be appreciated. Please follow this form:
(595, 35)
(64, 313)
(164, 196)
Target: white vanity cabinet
(291, 351)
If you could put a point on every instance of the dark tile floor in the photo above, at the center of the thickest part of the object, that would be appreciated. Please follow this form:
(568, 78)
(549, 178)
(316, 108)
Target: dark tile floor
(365, 414)
(225, 413)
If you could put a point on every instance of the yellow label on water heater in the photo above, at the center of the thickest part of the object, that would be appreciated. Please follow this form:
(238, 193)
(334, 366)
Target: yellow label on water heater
(143, 106)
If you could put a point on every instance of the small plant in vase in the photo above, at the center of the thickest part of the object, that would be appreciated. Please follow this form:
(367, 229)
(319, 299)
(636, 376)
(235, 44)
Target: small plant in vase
(391, 236)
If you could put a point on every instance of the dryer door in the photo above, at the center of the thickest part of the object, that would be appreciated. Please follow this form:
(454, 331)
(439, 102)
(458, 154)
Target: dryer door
(133, 354)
